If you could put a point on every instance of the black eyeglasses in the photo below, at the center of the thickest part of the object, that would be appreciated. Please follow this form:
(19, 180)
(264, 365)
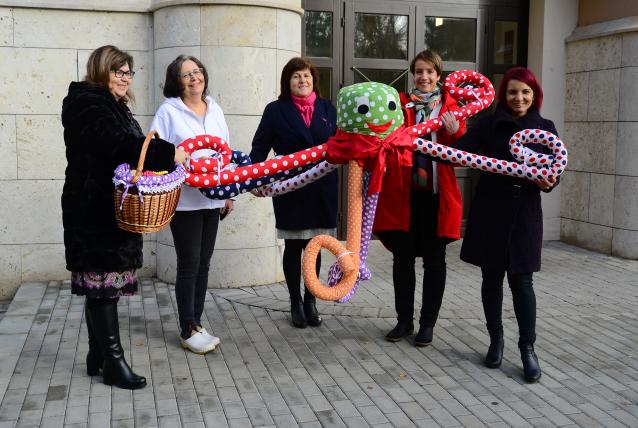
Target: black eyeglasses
(196, 72)
(121, 73)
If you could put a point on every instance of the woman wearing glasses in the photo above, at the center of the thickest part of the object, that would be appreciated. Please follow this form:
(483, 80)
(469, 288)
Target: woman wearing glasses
(189, 111)
(100, 133)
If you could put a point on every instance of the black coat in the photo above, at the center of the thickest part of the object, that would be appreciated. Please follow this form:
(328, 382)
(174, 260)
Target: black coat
(283, 130)
(100, 134)
(505, 226)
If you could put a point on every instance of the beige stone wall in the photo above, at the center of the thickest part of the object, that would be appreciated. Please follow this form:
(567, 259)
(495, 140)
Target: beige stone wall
(550, 22)
(42, 51)
(44, 46)
(600, 189)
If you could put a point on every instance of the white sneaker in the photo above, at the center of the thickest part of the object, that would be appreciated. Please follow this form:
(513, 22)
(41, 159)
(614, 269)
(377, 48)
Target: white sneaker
(215, 340)
(198, 343)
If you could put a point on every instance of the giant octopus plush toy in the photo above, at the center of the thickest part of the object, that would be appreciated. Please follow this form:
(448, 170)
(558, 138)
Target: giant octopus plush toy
(372, 140)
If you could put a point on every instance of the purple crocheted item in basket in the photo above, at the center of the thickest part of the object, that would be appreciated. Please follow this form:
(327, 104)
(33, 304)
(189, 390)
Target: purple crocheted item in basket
(148, 184)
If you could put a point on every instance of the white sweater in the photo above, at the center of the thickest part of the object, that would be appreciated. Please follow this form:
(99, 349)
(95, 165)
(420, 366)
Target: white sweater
(175, 122)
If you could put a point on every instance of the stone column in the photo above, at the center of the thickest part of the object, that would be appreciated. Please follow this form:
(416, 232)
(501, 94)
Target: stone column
(244, 46)
(600, 189)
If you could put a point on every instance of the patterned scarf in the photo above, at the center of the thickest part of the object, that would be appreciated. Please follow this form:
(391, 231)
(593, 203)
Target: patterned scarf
(424, 103)
(305, 106)
(422, 170)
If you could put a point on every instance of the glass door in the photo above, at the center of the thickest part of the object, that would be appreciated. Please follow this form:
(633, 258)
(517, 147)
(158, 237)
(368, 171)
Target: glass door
(506, 41)
(322, 42)
(454, 33)
(378, 42)
(457, 35)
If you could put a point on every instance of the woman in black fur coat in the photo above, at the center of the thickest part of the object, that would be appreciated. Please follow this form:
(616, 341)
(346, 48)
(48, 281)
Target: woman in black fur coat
(100, 133)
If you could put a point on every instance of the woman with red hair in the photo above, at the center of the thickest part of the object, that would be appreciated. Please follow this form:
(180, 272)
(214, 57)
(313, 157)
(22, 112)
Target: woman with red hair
(504, 231)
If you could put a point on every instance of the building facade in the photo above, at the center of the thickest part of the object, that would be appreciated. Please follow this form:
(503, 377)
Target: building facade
(44, 45)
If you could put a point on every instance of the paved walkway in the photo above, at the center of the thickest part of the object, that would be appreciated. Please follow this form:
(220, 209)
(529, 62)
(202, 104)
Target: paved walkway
(267, 373)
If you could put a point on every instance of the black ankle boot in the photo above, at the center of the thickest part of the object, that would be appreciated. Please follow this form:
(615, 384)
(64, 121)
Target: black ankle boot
(531, 369)
(424, 336)
(115, 370)
(310, 310)
(94, 359)
(297, 314)
(401, 330)
(494, 356)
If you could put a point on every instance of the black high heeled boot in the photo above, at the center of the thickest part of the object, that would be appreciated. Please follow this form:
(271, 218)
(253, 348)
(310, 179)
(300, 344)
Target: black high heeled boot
(94, 359)
(297, 314)
(494, 356)
(531, 368)
(115, 370)
(310, 310)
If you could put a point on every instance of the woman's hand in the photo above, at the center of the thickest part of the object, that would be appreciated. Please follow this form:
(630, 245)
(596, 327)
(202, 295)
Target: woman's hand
(545, 183)
(450, 122)
(181, 156)
(257, 192)
(228, 207)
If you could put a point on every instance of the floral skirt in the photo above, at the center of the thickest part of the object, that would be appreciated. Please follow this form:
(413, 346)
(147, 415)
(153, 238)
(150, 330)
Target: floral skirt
(101, 285)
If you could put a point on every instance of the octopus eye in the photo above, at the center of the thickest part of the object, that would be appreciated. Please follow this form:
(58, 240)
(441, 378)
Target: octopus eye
(363, 104)
(392, 106)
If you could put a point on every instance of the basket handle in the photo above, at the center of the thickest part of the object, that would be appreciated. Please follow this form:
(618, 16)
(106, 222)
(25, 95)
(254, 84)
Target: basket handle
(140, 163)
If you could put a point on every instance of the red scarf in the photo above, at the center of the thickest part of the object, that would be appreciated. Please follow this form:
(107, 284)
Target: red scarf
(305, 106)
(382, 157)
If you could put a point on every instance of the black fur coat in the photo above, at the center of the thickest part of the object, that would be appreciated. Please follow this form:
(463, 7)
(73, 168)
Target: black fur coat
(100, 134)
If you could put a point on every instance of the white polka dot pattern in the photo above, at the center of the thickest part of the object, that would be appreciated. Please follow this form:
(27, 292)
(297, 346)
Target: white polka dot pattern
(478, 96)
(299, 181)
(533, 165)
(348, 256)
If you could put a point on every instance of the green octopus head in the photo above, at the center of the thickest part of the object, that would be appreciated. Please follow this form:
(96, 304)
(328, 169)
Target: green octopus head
(369, 108)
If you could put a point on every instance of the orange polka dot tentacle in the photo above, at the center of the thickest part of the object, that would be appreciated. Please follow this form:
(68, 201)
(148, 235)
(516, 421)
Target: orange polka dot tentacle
(348, 256)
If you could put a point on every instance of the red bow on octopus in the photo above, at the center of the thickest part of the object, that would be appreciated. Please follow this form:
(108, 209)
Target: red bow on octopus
(381, 157)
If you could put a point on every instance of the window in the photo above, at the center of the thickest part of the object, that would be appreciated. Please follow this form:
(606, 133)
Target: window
(318, 26)
(452, 38)
(381, 36)
(505, 42)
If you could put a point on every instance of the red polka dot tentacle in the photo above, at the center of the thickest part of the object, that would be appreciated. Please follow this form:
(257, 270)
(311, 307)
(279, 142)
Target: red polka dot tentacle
(477, 94)
(266, 168)
(201, 168)
(532, 165)
(212, 170)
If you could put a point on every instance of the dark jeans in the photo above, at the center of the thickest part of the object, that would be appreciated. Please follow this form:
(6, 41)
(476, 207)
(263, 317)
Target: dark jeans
(293, 250)
(420, 241)
(194, 234)
(523, 297)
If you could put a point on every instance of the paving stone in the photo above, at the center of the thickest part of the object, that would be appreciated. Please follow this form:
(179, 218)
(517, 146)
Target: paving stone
(267, 373)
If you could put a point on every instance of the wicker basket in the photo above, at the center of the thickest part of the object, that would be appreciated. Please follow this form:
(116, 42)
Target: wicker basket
(154, 213)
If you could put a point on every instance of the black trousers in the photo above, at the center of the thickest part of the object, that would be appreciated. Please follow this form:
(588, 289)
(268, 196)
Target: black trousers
(523, 297)
(420, 241)
(293, 250)
(194, 234)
